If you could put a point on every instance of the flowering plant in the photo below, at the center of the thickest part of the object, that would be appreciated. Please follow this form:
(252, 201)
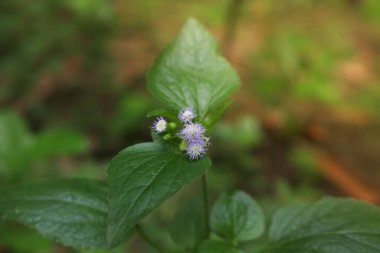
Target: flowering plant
(194, 82)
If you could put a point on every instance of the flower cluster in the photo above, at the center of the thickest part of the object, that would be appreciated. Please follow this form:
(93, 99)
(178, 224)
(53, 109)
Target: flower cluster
(192, 134)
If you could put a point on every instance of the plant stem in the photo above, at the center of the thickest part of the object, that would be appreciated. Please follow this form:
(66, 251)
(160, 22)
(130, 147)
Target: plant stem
(205, 204)
(231, 23)
(146, 238)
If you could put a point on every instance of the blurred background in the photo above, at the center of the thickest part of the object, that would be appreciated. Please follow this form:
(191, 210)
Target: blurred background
(304, 124)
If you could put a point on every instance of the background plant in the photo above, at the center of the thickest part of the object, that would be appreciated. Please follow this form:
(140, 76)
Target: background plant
(84, 213)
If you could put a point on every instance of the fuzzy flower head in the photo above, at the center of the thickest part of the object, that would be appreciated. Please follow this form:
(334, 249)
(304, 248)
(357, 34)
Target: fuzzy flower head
(192, 132)
(160, 125)
(196, 149)
(186, 115)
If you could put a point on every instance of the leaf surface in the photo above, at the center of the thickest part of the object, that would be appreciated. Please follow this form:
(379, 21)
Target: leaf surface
(141, 177)
(73, 212)
(188, 227)
(191, 72)
(210, 246)
(328, 226)
(237, 217)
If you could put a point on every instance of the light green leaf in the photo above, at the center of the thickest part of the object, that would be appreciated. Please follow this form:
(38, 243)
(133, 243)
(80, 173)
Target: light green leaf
(328, 226)
(141, 177)
(217, 247)
(15, 143)
(58, 142)
(73, 212)
(237, 217)
(188, 226)
(191, 72)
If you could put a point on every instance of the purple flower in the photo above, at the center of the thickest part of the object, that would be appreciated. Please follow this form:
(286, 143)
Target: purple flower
(196, 149)
(192, 132)
(159, 125)
(186, 115)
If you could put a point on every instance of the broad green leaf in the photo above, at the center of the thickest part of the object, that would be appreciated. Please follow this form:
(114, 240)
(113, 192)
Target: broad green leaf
(237, 217)
(73, 212)
(217, 247)
(141, 177)
(191, 72)
(328, 226)
(190, 216)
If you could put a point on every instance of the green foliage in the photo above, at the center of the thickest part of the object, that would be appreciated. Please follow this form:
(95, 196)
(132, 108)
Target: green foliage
(217, 247)
(20, 149)
(20, 239)
(45, 36)
(242, 134)
(237, 217)
(293, 65)
(370, 10)
(188, 227)
(15, 143)
(58, 142)
(141, 177)
(190, 72)
(328, 226)
(73, 212)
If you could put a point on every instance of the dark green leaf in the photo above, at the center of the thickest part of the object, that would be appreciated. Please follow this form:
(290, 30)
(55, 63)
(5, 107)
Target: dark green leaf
(141, 177)
(217, 247)
(73, 212)
(328, 226)
(191, 216)
(237, 217)
(190, 72)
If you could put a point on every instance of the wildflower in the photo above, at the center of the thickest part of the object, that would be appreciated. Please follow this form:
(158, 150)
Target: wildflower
(186, 115)
(159, 125)
(192, 132)
(196, 149)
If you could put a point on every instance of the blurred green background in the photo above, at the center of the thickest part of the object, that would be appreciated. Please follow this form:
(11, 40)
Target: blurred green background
(305, 122)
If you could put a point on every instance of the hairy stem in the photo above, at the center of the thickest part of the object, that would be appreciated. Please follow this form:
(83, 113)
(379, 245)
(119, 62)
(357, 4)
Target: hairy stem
(147, 239)
(205, 204)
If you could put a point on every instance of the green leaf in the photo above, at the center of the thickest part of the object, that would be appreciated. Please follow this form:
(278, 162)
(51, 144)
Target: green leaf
(73, 212)
(191, 72)
(163, 112)
(217, 247)
(237, 217)
(15, 143)
(191, 216)
(328, 226)
(141, 177)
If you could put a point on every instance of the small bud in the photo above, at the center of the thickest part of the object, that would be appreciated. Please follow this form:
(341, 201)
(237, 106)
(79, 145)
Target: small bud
(172, 125)
(183, 146)
(167, 137)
